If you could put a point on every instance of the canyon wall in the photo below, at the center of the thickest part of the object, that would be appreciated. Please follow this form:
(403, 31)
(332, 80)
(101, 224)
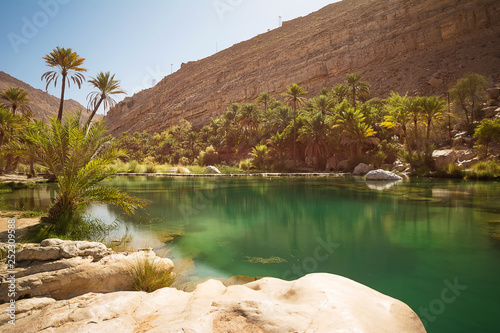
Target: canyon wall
(43, 105)
(415, 46)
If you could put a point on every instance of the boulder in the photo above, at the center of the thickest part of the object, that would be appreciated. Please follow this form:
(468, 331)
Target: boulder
(212, 169)
(466, 154)
(399, 166)
(362, 169)
(331, 164)
(342, 165)
(54, 249)
(490, 111)
(468, 163)
(315, 303)
(311, 161)
(183, 170)
(444, 157)
(380, 174)
(76, 269)
(493, 93)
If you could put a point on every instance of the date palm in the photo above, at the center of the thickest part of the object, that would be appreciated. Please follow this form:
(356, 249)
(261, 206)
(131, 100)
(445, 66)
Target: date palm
(293, 95)
(68, 64)
(265, 99)
(358, 135)
(398, 116)
(356, 88)
(432, 109)
(106, 86)
(18, 99)
(314, 133)
(79, 157)
(323, 104)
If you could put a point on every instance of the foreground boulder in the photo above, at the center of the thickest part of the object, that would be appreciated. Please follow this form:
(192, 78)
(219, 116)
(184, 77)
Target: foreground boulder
(444, 157)
(315, 303)
(380, 174)
(65, 269)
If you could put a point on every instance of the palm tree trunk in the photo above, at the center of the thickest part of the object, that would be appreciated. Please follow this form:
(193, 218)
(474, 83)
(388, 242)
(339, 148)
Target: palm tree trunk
(89, 121)
(61, 103)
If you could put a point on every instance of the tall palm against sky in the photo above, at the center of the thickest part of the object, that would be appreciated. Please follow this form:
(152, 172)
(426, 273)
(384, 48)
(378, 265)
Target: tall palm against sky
(68, 64)
(106, 86)
(293, 95)
(18, 98)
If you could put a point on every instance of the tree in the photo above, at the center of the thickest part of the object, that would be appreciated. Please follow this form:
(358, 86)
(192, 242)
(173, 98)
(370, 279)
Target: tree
(249, 117)
(314, 133)
(398, 115)
(278, 143)
(66, 61)
(10, 123)
(356, 88)
(18, 99)
(468, 95)
(259, 154)
(106, 86)
(487, 132)
(265, 99)
(323, 104)
(358, 135)
(293, 95)
(79, 158)
(432, 109)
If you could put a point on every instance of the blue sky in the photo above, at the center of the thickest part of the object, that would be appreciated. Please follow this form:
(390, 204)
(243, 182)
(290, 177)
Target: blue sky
(139, 41)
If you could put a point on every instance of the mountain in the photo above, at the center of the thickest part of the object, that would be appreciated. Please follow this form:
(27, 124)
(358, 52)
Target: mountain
(43, 105)
(416, 46)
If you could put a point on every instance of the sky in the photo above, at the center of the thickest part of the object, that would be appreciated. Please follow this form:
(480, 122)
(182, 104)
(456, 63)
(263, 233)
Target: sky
(140, 41)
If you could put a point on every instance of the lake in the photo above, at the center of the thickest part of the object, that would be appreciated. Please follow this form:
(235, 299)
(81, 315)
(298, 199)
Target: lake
(424, 242)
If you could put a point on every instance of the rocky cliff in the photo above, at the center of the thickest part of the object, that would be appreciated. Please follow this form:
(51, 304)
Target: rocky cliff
(419, 46)
(43, 105)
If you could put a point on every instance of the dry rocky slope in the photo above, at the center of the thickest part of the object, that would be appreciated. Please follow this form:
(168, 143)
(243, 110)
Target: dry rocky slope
(419, 46)
(43, 105)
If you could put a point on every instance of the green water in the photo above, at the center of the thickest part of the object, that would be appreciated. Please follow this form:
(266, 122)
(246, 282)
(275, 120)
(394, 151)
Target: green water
(411, 241)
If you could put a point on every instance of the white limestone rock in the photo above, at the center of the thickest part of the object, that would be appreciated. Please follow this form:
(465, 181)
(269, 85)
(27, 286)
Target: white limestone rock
(380, 174)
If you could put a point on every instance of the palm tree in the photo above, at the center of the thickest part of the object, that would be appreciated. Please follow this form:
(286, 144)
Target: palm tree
(356, 88)
(79, 158)
(18, 98)
(280, 118)
(398, 115)
(358, 135)
(278, 143)
(265, 99)
(249, 117)
(259, 154)
(323, 104)
(293, 95)
(339, 92)
(314, 134)
(66, 61)
(107, 86)
(9, 123)
(432, 108)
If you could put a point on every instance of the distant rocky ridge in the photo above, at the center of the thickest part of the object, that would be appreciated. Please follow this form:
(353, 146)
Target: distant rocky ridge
(419, 46)
(43, 105)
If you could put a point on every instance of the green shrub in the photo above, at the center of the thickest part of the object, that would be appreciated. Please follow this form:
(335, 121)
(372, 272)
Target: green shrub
(208, 157)
(184, 161)
(149, 275)
(245, 164)
(150, 168)
(133, 167)
(485, 170)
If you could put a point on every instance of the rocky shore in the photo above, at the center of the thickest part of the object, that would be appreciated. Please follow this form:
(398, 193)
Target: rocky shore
(66, 286)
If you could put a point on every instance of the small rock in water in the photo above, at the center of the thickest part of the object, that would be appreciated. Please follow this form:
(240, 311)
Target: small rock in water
(380, 174)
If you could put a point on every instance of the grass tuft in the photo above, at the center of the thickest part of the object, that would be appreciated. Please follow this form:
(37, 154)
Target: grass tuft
(150, 274)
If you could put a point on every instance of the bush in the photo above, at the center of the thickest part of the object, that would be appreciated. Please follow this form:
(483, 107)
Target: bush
(150, 168)
(184, 161)
(208, 157)
(245, 164)
(133, 167)
(149, 275)
(485, 170)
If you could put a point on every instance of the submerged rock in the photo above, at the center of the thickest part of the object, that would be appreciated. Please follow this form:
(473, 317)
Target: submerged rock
(314, 303)
(380, 174)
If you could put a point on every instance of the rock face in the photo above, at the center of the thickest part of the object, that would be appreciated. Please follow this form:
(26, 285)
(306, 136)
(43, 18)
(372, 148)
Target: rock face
(64, 269)
(398, 45)
(43, 105)
(314, 303)
(381, 174)
(444, 157)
